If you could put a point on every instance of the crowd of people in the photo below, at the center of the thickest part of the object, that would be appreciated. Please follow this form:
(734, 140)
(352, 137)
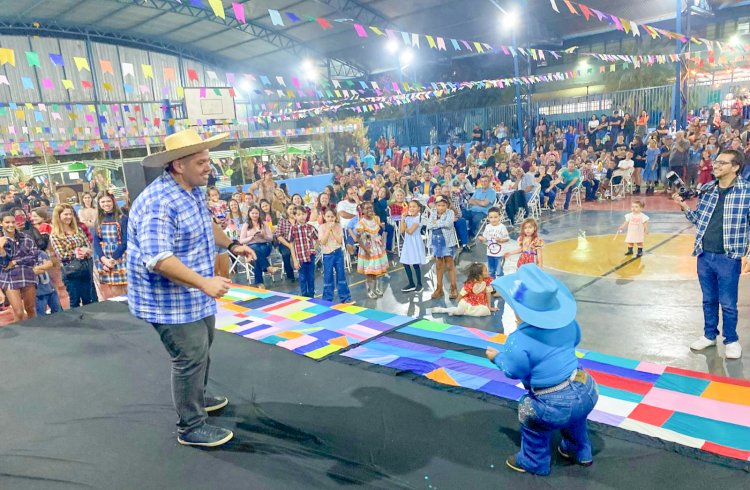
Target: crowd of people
(389, 203)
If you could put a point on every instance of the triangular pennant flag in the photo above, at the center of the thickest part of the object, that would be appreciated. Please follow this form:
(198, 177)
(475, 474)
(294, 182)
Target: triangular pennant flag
(431, 42)
(570, 7)
(275, 17)
(68, 84)
(27, 83)
(323, 23)
(361, 32)
(106, 67)
(56, 59)
(47, 84)
(554, 6)
(415, 40)
(406, 38)
(218, 8)
(441, 44)
(636, 31)
(4, 80)
(192, 75)
(81, 63)
(616, 20)
(33, 59)
(599, 15)
(148, 71)
(377, 31)
(168, 73)
(7, 55)
(625, 25)
(239, 12)
(127, 69)
(585, 11)
(293, 17)
(478, 47)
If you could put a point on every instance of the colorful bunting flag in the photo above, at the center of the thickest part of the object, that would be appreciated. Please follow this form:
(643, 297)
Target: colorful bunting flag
(33, 59)
(293, 17)
(323, 23)
(47, 84)
(239, 12)
(27, 83)
(168, 73)
(68, 84)
(192, 75)
(148, 71)
(81, 63)
(275, 17)
(4, 80)
(217, 7)
(7, 56)
(554, 6)
(56, 59)
(570, 7)
(361, 32)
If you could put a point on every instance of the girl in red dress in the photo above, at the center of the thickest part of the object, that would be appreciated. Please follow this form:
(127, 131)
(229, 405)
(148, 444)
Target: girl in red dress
(530, 245)
(475, 296)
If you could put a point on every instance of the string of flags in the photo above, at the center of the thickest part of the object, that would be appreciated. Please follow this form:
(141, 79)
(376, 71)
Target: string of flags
(631, 27)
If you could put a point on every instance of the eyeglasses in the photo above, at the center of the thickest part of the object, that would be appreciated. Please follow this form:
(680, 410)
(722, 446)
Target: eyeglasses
(720, 163)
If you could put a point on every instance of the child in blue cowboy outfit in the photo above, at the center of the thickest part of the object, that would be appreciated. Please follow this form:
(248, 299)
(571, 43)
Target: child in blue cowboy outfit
(541, 353)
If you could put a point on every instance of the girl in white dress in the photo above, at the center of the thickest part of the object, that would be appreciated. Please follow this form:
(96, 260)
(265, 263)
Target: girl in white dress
(637, 224)
(412, 253)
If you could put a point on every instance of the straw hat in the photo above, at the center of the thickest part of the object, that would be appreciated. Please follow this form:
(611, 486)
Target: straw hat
(181, 144)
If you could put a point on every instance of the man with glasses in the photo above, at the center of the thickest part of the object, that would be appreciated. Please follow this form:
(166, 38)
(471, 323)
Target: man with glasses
(722, 220)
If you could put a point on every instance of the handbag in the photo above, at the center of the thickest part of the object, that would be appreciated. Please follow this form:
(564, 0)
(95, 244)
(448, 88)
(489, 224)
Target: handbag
(76, 268)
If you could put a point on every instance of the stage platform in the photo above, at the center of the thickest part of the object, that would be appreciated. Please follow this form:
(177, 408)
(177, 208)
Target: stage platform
(85, 403)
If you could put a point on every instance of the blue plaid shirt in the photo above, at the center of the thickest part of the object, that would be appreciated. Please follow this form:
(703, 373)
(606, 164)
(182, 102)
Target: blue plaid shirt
(167, 220)
(736, 218)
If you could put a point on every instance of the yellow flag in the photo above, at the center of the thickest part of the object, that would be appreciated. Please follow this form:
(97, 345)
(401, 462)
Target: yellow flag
(7, 55)
(81, 63)
(148, 71)
(20, 114)
(180, 92)
(217, 7)
(67, 84)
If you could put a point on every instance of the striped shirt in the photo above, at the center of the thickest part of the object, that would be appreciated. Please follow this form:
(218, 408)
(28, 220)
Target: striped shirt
(736, 218)
(166, 220)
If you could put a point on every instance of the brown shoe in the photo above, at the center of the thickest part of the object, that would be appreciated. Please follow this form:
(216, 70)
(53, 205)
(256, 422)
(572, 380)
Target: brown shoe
(437, 294)
(454, 293)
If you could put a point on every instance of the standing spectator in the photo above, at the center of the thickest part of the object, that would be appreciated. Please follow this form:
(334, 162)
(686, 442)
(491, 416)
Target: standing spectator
(73, 247)
(110, 242)
(304, 237)
(641, 126)
(18, 257)
(87, 214)
(476, 134)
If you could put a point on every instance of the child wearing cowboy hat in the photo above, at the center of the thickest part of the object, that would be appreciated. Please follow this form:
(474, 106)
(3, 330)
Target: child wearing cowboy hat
(541, 353)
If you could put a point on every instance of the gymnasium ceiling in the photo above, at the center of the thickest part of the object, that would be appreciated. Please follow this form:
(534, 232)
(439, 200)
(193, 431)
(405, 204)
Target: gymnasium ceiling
(260, 45)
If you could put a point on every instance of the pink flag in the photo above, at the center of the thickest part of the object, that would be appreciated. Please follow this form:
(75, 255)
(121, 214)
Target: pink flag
(361, 32)
(239, 12)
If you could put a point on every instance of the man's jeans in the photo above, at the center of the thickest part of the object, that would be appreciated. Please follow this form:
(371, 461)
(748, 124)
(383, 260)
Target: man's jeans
(334, 263)
(719, 277)
(568, 194)
(188, 345)
(474, 219)
(462, 231)
(565, 410)
(591, 187)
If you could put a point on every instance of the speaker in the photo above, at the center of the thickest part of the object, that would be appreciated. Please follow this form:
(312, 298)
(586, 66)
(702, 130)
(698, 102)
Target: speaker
(137, 177)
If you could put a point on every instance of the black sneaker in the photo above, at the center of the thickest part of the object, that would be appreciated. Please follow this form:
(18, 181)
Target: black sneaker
(213, 403)
(419, 288)
(205, 436)
(572, 459)
(629, 252)
(639, 254)
(408, 289)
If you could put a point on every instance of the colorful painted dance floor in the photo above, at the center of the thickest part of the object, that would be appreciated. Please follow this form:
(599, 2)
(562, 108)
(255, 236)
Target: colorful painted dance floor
(310, 327)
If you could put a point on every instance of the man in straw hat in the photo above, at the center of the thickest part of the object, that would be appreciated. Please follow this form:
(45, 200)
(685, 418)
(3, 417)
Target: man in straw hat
(172, 244)
(541, 353)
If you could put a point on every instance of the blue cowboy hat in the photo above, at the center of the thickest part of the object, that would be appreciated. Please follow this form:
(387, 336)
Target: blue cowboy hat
(538, 298)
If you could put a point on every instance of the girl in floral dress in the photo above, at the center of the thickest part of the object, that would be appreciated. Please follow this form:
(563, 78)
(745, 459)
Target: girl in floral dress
(530, 244)
(372, 260)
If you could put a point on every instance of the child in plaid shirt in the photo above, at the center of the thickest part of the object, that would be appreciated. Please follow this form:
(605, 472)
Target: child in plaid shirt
(305, 239)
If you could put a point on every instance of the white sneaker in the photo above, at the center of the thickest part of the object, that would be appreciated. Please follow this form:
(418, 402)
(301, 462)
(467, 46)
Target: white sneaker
(702, 343)
(733, 350)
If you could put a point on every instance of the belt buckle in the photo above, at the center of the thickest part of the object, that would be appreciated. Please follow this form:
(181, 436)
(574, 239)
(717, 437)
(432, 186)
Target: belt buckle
(581, 377)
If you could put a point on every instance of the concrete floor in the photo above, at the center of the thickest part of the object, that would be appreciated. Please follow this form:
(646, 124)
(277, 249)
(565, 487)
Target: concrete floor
(652, 317)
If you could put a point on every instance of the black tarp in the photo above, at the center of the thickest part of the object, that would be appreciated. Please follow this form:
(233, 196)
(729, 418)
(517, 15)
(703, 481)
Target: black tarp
(85, 403)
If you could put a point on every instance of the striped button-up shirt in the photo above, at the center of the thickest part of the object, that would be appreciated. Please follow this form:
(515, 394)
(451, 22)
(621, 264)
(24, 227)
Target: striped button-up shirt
(736, 218)
(166, 220)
